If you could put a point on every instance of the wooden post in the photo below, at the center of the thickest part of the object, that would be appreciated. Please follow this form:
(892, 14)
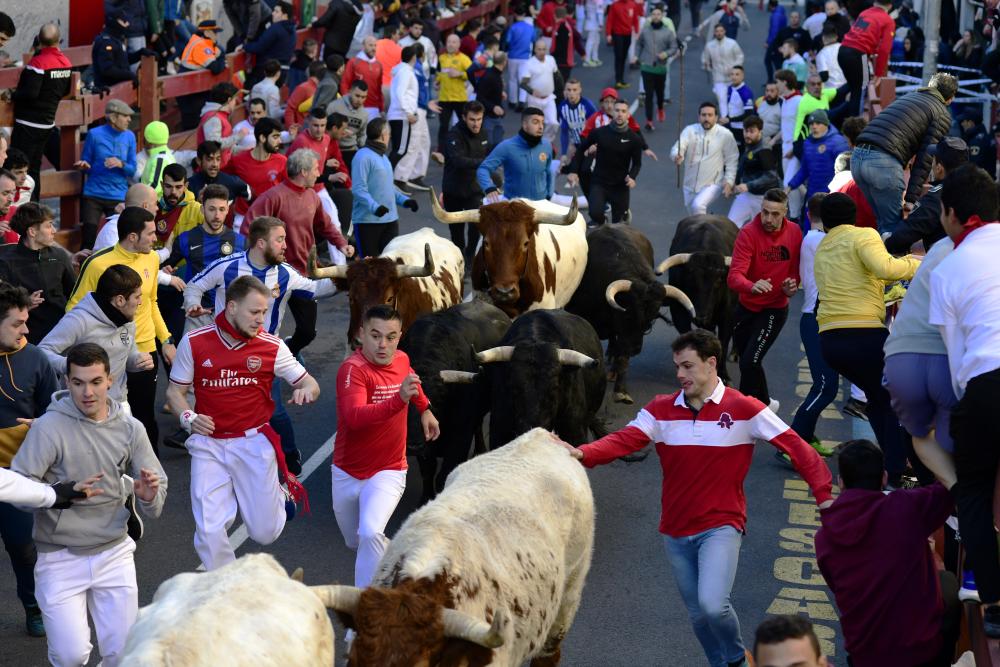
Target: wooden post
(148, 96)
(69, 153)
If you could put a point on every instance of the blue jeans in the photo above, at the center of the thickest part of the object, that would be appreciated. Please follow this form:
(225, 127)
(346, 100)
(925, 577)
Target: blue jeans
(880, 178)
(494, 130)
(280, 421)
(704, 568)
(825, 380)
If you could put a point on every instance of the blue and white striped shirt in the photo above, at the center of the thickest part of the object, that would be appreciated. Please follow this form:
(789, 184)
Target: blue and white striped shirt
(281, 279)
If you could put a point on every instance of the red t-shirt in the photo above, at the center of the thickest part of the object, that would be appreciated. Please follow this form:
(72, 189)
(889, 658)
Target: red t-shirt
(260, 176)
(371, 417)
(759, 254)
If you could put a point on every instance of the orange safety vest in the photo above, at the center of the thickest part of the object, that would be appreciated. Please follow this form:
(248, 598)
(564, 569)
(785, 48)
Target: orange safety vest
(199, 52)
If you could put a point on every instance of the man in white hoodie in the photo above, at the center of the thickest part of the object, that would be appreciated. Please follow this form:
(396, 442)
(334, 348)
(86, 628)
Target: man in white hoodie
(85, 555)
(721, 54)
(711, 156)
(404, 92)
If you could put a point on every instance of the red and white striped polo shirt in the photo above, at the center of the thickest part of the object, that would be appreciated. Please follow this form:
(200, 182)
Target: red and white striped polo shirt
(706, 457)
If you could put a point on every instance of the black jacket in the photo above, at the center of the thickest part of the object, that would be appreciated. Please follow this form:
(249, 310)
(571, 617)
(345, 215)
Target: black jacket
(463, 152)
(111, 61)
(340, 19)
(757, 169)
(619, 154)
(922, 224)
(49, 270)
(906, 129)
(489, 91)
(981, 151)
(44, 82)
(800, 35)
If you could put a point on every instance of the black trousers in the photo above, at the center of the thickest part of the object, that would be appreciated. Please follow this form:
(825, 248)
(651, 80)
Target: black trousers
(372, 238)
(674, 13)
(620, 44)
(857, 355)
(343, 199)
(753, 335)
(444, 120)
(171, 305)
(852, 62)
(15, 530)
(32, 140)
(142, 400)
(600, 195)
(466, 235)
(91, 211)
(977, 453)
(304, 313)
(400, 140)
(654, 85)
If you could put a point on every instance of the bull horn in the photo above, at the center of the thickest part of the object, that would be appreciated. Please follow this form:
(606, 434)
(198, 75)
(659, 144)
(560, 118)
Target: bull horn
(325, 272)
(574, 358)
(494, 354)
(298, 575)
(457, 377)
(675, 293)
(463, 626)
(410, 271)
(452, 218)
(568, 218)
(728, 260)
(614, 288)
(673, 260)
(338, 598)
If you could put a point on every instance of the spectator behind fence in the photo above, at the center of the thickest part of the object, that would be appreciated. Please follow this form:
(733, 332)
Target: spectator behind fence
(300, 99)
(267, 89)
(298, 71)
(111, 62)
(277, 41)
(200, 53)
(215, 124)
(339, 22)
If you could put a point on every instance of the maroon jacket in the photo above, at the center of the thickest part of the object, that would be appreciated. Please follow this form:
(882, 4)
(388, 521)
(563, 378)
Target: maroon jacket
(873, 552)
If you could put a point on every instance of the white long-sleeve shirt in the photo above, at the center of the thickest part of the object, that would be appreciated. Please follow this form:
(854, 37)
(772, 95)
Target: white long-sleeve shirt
(710, 156)
(404, 92)
(720, 56)
(19, 490)
(789, 124)
(826, 61)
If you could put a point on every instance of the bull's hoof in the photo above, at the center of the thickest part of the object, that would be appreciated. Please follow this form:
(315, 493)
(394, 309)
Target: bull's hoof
(636, 457)
(623, 397)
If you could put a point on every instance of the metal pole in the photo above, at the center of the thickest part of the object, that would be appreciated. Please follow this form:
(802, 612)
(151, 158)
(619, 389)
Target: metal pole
(932, 35)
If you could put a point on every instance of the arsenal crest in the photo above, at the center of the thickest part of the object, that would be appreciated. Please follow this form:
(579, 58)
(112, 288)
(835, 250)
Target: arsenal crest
(226, 248)
(253, 363)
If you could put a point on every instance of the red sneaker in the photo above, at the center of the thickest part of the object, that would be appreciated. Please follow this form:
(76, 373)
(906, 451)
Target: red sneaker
(661, 114)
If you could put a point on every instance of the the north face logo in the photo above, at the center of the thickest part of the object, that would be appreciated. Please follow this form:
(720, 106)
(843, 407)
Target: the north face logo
(725, 421)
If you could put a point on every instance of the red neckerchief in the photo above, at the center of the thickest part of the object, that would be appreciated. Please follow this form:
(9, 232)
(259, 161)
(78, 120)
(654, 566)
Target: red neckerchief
(972, 224)
(294, 486)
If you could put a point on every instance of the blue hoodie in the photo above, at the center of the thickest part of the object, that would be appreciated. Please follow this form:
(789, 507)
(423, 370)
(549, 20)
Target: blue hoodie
(526, 170)
(277, 42)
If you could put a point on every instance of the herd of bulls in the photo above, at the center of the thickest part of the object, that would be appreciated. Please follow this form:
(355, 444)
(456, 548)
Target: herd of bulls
(526, 347)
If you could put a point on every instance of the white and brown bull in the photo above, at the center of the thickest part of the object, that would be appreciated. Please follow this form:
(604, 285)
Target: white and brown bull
(246, 613)
(532, 255)
(417, 273)
(489, 573)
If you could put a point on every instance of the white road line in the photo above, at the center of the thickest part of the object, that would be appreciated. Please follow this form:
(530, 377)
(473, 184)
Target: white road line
(240, 535)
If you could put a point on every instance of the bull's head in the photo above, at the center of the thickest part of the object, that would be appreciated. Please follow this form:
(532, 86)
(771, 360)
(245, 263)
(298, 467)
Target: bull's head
(509, 230)
(702, 277)
(636, 306)
(397, 628)
(371, 281)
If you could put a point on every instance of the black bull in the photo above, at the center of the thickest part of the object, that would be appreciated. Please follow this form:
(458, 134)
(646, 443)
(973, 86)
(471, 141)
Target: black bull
(699, 266)
(448, 340)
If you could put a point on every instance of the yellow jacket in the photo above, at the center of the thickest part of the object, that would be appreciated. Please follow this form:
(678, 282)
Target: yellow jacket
(852, 267)
(453, 89)
(149, 324)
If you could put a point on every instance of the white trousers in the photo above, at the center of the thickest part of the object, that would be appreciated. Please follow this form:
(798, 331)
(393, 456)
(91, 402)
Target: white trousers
(791, 167)
(720, 96)
(745, 207)
(67, 586)
(363, 507)
(414, 163)
(698, 202)
(235, 474)
(514, 91)
(338, 258)
(593, 47)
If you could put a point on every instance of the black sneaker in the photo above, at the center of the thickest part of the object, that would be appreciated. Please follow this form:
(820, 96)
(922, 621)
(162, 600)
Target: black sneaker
(33, 623)
(417, 184)
(177, 439)
(134, 524)
(855, 408)
(401, 186)
(991, 621)
(293, 459)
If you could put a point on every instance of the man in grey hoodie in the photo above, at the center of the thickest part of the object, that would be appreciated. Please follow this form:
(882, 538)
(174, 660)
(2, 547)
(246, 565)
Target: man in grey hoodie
(85, 553)
(106, 317)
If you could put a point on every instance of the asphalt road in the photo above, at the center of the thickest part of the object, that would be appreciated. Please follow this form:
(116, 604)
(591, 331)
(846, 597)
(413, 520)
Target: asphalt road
(631, 614)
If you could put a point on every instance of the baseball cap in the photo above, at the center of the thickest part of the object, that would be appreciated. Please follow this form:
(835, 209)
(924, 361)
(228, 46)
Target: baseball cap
(950, 152)
(209, 24)
(818, 116)
(609, 92)
(117, 106)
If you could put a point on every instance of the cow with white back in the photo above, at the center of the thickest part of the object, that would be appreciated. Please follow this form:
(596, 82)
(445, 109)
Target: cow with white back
(417, 273)
(621, 297)
(698, 266)
(249, 612)
(532, 253)
(442, 347)
(491, 572)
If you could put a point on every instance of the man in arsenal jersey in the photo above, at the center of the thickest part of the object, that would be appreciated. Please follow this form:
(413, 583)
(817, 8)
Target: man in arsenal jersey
(704, 435)
(236, 457)
(375, 386)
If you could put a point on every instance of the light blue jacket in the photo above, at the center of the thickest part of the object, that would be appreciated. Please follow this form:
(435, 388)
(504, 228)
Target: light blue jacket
(103, 142)
(525, 169)
(371, 178)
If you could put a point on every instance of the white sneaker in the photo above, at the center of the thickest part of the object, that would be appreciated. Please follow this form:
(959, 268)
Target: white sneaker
(774, 405)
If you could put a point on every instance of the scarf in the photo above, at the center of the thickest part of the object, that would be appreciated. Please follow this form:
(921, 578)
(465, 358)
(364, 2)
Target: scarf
(294, 486)
(530, 140)
(377, 146)
(972, 224)
(113, 314)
